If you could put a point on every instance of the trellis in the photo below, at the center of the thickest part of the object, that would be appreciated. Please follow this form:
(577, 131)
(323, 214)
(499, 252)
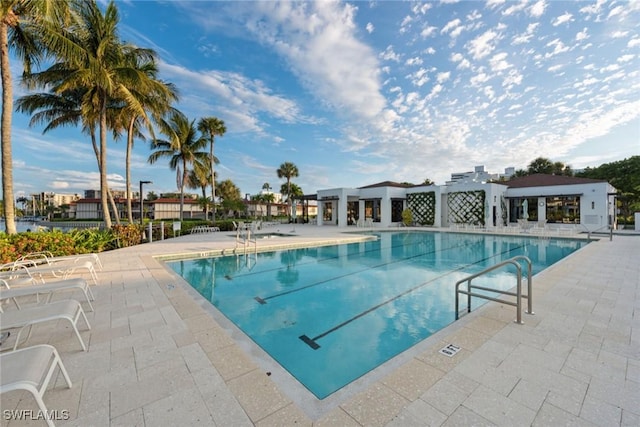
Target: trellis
(466, 207)
(423, 207)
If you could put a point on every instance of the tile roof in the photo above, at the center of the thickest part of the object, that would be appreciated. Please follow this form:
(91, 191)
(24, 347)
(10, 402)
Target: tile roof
(544, 180)
(388, 184)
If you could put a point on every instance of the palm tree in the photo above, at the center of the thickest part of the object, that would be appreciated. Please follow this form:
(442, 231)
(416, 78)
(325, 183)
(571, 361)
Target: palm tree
(94, 63)
(154, 96)
(198, 178)
(23, 25)
(182, 148)
(269, 198)
(210, 127)
(288, 170)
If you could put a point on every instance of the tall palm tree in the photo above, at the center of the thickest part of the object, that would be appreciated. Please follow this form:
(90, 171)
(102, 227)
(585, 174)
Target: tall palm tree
(288, 170)
(92, 59)
(182, 148)
(23, 24)
(155, 97)
(268, 199)
(210, 127)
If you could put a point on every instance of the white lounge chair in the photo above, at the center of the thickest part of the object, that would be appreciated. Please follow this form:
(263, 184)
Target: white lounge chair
(31, 369)
(49, 288)
(46, 257)
(60, 270)
(69, 310)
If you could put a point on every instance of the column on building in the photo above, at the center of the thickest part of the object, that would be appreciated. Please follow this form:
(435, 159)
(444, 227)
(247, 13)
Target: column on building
(320, 216)
(342, 210)
(542, 209)
(385, 212)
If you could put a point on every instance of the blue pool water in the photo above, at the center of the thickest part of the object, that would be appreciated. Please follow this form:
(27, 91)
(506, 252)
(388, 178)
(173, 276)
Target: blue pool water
(331, 314)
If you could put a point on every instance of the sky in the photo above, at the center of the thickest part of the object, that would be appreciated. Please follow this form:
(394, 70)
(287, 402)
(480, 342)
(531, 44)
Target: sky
(355, 93)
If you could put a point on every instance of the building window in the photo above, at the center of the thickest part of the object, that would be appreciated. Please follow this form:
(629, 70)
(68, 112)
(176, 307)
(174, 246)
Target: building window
(517, 209)
(352, 213)
(372, 210)
(327, 211)
(396, 210)
(563, 209)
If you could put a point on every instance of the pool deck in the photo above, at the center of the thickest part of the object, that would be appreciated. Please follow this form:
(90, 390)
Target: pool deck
(160, 355)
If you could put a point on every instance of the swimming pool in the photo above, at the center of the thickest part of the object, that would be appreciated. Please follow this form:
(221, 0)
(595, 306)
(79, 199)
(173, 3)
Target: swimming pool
(330, 314)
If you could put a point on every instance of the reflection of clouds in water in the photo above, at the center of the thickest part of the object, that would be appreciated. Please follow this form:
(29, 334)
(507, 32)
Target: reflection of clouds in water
(310, 296)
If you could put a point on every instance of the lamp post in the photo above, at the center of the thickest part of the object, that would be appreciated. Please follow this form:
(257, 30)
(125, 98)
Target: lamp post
(141, 201)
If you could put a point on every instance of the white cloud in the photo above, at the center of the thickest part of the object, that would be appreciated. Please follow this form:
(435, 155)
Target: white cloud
(443, 77)
(450, 26)
(428, 32)
(515, 8)
(558, 48)
(625, 58)
(582, 35)
(615, 11)
(318, 40)
(478, 79)
(635, 42)
(370, 28)
(390, 55)
(619, 34)
(406, 24)
(482, 45)
(537, 10)
(562, 19)
(498, 62)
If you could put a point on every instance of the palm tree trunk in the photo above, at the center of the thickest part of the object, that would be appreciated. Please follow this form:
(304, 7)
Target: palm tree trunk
(184, 178)
(128, 169)
(7, 111)
(104, 189)
(114, 207)
(213, 182)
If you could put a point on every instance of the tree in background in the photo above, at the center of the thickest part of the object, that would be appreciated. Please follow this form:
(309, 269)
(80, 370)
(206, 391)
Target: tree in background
(231, 197)
(198, 178)
(288, 170)
(624, 175)
(545, 166)
(182, 147)
(210, 127)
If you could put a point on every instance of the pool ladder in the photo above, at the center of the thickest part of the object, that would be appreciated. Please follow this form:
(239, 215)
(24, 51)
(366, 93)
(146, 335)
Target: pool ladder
(245, 240)
(518, 294)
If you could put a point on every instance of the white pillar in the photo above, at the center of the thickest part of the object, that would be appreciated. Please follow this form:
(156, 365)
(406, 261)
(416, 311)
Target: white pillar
(342, 211)
(320, 215)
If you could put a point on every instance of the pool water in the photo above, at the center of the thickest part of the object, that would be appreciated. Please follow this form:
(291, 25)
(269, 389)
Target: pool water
(330, 314)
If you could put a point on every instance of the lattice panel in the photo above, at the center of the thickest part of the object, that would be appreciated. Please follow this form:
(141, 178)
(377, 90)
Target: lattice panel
(466, 207)
(423, 207)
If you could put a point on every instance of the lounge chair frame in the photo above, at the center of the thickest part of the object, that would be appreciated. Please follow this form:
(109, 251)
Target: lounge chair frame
(69, 310)
(31, 369)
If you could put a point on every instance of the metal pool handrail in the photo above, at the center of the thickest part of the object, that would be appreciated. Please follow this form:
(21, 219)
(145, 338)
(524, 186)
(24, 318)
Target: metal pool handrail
(517, 294)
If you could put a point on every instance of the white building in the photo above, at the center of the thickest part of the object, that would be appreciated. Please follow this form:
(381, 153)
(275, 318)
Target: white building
(480, 175)
(583, 203)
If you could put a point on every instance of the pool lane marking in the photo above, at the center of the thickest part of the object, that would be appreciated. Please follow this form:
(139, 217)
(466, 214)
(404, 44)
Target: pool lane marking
(311, 285)
(311, 342)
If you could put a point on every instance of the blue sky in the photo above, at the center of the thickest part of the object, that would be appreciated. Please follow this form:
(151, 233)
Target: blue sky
(359, 92)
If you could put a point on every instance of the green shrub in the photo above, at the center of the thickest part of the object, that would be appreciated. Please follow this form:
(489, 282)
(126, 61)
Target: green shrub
(407, 217)
(125, 235)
